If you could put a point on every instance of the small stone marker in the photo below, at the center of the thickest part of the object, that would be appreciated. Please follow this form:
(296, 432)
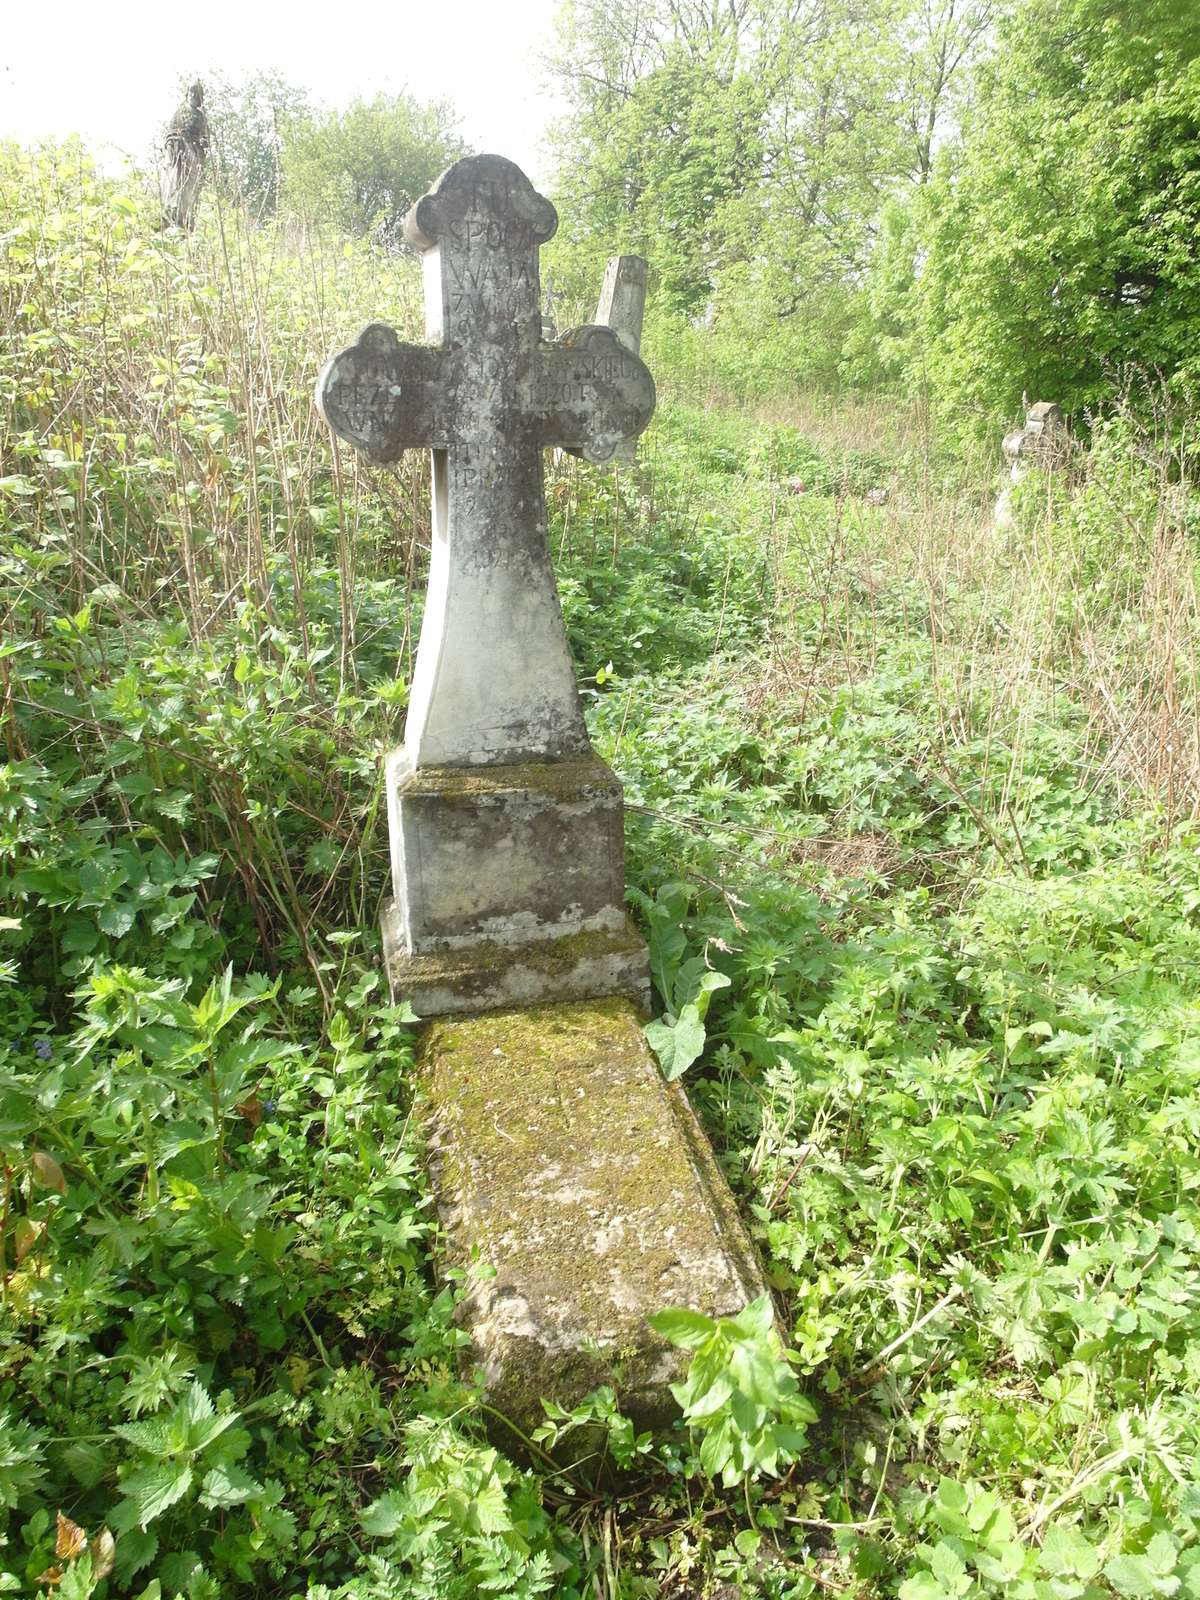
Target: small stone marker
(562, 1160)
(506, 830)
(622, 303)
(622, 307)
(1043, 442)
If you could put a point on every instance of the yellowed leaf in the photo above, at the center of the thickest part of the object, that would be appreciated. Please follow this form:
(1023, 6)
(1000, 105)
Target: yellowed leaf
(71, 1540)
(49, 1172)
(26, 1234)
(104, 1551)
(51, 1575)
(252, 1110)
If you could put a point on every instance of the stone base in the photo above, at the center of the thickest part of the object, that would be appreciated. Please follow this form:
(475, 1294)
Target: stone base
(504, 853)
(509, 886)
(487, 975)
(563, 1161)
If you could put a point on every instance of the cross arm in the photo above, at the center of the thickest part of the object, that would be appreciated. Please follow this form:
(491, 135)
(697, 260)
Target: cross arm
(384, 396)
(591, 393)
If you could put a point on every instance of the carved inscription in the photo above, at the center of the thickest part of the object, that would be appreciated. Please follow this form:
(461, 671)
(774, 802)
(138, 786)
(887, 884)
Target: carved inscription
(591, 393)
(582, 379)
(494, 388)
(482, 283)
(367, 400)
(383, 395)
(485, 493)
(487, 216)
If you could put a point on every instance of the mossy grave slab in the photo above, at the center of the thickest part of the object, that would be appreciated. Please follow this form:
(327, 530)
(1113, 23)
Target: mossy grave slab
(583, 1184)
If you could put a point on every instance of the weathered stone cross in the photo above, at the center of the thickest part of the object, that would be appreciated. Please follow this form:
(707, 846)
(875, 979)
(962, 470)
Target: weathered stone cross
(565, 1162)
(506, 830)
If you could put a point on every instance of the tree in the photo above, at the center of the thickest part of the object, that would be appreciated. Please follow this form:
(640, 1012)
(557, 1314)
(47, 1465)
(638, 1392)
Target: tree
(364, 167)
(250, 122)
(1061, 238)
(746, 147)
(664, 131)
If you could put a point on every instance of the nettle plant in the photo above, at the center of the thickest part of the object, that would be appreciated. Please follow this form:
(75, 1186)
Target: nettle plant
(740, 1394)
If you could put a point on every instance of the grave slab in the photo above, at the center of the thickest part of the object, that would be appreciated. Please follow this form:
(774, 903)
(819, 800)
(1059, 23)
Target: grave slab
(563, 1161)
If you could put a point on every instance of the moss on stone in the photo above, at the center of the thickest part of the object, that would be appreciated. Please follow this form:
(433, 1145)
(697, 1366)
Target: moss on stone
(574, 778)
(475, 972)
(564, 1162)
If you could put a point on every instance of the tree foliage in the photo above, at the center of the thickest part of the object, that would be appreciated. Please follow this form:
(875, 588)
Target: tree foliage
(363, 167)
(250, 121)
(1058, 243)
(968, 197)
(747, 148)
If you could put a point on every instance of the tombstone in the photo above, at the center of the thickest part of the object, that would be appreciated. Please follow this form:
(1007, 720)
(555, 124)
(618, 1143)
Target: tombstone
(507, 833)
(561, 1158)
(622, 307)
(185, 150)
(1042, 442)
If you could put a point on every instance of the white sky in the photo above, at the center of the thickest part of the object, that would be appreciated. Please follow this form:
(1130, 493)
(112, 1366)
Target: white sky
(108, 71)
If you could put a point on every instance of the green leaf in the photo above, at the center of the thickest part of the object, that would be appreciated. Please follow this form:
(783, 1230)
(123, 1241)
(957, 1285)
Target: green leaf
(948, 1567)
(228, 1486)
(384, 1516)
(117, 919)
(687, 1329)
(747, 1542)
(86, 1461)
(677, 1042)
(922, 1586)
(705, 1400)
(1162, 1552)
(489, 1506)
(709, 984)
(757, 1319)
(1136, 1576)
(155, 1489)
(1065, 1550)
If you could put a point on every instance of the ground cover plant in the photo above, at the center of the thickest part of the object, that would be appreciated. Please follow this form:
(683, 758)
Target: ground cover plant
(911, 835)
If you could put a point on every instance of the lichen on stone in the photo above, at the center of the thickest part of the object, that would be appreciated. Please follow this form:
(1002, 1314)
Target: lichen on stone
(565, 1164)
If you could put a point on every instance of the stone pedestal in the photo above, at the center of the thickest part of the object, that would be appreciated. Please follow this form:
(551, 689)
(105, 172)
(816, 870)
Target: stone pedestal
(509, 886)
(563, 1162)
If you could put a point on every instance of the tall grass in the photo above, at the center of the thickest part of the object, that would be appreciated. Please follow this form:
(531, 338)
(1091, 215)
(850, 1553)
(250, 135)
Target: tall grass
(163, 465)
(1087, 605)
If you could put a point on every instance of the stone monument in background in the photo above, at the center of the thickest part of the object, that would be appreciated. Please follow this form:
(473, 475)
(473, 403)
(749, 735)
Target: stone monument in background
(622, 307)
(563, 1162)
(1043, 441)
(185, 151)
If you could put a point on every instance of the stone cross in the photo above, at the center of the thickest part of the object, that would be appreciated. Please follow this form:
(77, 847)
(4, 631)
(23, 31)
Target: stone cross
(564, 1161)
(622, 307)
(507, 861)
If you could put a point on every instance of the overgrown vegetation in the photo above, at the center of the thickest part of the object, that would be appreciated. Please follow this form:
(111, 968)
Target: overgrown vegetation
(912, 836)
(957, 200)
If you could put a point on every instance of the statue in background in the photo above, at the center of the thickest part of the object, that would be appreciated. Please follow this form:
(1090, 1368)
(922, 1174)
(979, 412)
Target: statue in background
(185, 150)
